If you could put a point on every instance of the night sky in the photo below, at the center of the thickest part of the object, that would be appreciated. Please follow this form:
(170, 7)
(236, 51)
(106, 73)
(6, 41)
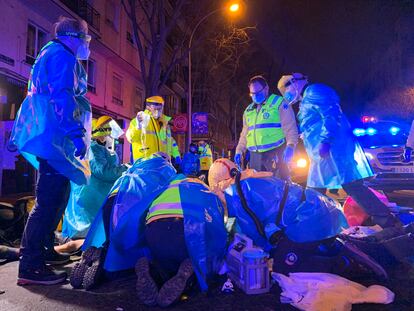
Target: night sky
(361, 48)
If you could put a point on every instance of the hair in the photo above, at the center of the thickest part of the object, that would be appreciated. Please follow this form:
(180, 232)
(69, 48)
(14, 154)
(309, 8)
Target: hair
(70, 24)
(258, 79)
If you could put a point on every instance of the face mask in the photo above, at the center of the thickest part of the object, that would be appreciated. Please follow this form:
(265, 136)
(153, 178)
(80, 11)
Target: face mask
(110, 143)
(83, 51)
(156, 114)
(259, 98)
(291, 96)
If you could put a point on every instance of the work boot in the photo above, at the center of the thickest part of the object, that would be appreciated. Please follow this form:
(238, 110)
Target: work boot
(54, 258)
(44, 275)
(147, 290)
(171, 291)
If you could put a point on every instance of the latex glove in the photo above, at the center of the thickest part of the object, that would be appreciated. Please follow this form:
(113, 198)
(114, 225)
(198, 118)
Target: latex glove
(288, 153)
(407, 154)
(80, 147)
(324, 150)
(237, 159)
(177, 160)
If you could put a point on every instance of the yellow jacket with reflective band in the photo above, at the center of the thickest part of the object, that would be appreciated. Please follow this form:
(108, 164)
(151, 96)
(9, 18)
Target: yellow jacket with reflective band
(156, 138)
(206, 157)
(264, 127)
(175, 152)
(167, 204)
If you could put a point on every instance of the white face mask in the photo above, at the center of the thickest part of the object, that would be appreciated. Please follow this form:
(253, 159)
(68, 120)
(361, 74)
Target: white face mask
(83, 51)
(156, 113)
(110, 143)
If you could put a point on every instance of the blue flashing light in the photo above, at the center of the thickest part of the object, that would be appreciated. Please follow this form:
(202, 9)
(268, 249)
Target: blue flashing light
(373, 147)
(359, 132)
(394, 130)
(371, 131)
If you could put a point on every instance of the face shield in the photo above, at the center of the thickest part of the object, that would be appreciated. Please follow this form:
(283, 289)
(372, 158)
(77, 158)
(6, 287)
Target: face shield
(116, 130)
(155, 109)
(83, 51)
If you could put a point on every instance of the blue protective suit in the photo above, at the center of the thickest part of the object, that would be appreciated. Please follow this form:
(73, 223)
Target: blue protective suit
(322, 120)
(54, 112)
(204, 230)
(307, 215)
(190, 165)
(85, 200)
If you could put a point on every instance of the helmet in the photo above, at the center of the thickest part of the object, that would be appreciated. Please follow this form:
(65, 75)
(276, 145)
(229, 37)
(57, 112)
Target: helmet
(155, 100)
(101, 127)
(219, 171)
(287, 80)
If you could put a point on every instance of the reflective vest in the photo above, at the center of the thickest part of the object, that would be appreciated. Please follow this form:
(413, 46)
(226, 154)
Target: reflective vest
(156, 137)
(206, 157)
(167, 204)
(264, 127)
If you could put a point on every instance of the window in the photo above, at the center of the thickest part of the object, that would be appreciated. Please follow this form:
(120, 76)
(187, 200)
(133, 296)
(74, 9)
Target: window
(117, 90)
(90, 67)
(112, 14)
(36, 39)
(130, 34)
(137, 100)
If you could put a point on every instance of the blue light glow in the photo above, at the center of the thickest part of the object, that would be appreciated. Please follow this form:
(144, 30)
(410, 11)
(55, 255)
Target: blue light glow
(371, 131)
(359, 132)
(394, 130)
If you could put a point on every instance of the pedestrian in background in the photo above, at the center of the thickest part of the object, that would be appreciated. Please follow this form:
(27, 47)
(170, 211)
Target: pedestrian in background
(52, 131)
(206, 158)
(190, 166)
(269, 131)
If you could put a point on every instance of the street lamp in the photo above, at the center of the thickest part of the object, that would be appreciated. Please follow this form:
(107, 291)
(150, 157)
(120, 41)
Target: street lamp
(234, 7)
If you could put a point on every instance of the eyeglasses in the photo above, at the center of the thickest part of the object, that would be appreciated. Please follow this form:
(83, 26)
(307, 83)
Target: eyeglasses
(254, 93)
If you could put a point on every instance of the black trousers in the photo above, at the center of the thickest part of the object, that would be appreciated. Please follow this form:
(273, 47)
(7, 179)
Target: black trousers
(270, 161)
(52, 195)
(165, 239)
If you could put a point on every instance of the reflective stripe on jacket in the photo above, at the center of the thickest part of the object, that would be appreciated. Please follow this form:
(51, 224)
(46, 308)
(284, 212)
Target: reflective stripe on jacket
(264, 127)
(167, 205)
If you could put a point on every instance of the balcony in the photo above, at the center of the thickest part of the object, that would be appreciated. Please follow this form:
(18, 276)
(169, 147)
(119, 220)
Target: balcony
(85, 11)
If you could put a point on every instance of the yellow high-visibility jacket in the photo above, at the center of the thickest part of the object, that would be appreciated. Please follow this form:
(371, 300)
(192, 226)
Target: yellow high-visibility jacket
(206, 157)
(156, 137)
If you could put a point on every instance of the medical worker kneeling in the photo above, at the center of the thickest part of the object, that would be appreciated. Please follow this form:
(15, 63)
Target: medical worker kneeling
(85, 200)
(160, 223)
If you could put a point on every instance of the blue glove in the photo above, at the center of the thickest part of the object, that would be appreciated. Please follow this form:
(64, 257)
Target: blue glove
(237, 159)
(407, 154)
(324, 150)
(80, 147)
(288, 154)
(178, 160)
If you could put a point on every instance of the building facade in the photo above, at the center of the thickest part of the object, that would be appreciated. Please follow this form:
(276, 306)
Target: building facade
(115, 87)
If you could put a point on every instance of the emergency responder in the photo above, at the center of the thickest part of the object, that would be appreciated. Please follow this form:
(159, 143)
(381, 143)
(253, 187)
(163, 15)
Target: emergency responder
(190, 166)
(85, 200)
(206, 158)
(337, 160)
(150, 132)
(409, 145)
(52, 131)
(268, 123)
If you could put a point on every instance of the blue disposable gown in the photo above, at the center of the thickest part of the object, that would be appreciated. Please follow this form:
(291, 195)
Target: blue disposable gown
(307, 216)
(55, 111)
(322, 120)
(190, 165)
(204, 230)
(85, 200)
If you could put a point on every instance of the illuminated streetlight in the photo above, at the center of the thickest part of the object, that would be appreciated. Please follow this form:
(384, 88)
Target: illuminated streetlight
(234, 7)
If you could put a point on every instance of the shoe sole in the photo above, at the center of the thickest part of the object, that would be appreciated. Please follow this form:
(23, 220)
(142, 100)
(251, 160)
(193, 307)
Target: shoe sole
(147, 290)
(23, 282)
(364, 259)
(174, 287)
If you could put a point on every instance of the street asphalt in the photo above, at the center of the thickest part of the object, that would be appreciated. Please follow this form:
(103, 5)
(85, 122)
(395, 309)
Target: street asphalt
(119, 295)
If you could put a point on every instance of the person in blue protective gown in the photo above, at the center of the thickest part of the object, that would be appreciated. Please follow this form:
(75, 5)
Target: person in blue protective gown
(52, 131)
(297, 226)
(337, 159)
(190, 165)
(157, 220)
(85, 200)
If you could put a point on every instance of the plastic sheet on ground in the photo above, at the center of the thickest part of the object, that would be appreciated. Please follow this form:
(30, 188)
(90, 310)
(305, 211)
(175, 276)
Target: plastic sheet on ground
(328, 292)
